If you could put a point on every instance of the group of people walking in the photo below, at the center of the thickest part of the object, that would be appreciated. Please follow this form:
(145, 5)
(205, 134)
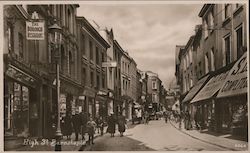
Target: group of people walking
(120, 120)
(81, 124)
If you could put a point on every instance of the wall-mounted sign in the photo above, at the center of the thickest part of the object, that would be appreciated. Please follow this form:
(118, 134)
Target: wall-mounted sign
(19, 75)
(236, 81)
(35, 30)
(109, 64)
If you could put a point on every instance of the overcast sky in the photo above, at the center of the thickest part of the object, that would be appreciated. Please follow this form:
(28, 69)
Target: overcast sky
(148, 32)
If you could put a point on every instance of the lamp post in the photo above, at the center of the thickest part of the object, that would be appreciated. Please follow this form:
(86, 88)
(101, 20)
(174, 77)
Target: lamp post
(55, 30)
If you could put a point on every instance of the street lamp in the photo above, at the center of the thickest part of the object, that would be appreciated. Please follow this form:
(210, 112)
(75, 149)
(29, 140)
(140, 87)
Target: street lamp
(55, 30)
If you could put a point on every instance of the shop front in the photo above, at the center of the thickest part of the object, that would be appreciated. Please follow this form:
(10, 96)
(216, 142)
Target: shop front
(88, 101)
(21, 103)
(186, 105)
(101, 104)
(232, 100)
(205, 100)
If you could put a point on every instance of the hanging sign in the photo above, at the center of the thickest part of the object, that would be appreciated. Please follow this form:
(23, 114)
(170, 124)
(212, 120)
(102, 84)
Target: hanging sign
(35, 30)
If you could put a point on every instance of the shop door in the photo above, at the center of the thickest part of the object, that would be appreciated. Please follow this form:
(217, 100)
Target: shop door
(33, 115)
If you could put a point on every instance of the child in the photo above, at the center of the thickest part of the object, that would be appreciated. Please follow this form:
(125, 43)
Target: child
(91, 130)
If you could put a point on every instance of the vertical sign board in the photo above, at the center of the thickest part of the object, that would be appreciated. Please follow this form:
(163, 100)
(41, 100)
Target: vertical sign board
(236, 81)
(35, 30)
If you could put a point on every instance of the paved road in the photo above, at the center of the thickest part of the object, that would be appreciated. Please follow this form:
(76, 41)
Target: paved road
(155, 136)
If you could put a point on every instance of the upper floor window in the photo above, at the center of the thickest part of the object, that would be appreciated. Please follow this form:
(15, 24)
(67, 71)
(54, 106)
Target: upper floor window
(84, 76)
(211, 21)
(83, 45)
(97, 56)
(10, 31)
(154, 85)
(91, 79)
(239, 41)
(227, 11)
(185, 63)
(206, 63)
(188, 61)
(91, 50)
(98, 81)
(20, 44)
(190, 56)
(205, 27)
(103, 81)
(212, 59)
(227, 50)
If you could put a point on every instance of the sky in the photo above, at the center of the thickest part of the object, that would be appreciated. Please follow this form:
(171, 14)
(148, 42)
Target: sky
(149, 33)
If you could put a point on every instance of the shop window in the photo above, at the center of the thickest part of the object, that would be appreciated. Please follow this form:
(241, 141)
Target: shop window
(17, 110)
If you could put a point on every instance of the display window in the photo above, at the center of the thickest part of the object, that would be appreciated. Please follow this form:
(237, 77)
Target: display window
(16, 113)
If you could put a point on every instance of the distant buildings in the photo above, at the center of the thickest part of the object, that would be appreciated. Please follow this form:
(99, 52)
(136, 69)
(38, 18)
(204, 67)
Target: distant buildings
(208, 69)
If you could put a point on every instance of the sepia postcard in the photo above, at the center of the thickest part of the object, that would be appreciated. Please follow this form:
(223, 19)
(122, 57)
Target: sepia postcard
(124, 75)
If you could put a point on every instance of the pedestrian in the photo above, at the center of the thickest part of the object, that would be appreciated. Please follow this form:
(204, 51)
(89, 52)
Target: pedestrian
(165, 116)
(197, 120)
(121, 124)
(84, 118)
(111, 124)
(187, 120)
(68, 126)
(146, 117)
(76, 120)
(91, 125)
(101, 125)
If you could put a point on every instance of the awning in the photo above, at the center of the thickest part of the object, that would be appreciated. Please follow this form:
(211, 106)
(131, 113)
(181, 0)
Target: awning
(195, 89)
(236, 81)
(212, 86)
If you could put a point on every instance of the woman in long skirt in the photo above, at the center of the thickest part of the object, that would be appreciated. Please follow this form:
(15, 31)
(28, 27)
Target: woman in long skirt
(121, 124)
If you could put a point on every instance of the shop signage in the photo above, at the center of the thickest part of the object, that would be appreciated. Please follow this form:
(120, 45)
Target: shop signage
(211, 87)
(19, 75)
(89, 93)
(109, 64)
(236, 81)
(81, 97)
(35, 30)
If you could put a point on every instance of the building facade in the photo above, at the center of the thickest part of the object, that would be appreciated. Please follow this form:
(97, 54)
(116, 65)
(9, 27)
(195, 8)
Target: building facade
(93, 53)
(29, 69)
(153, 89)
(219, 46)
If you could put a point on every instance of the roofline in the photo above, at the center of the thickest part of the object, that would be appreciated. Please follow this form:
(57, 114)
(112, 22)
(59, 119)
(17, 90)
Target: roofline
(204, 9)
(91, 29)
(189, 42)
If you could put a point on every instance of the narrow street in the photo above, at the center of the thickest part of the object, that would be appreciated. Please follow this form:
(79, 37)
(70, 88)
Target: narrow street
(156, 136)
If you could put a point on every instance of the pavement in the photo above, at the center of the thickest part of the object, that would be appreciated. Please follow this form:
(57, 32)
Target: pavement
(226, 141)
(156, 136)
